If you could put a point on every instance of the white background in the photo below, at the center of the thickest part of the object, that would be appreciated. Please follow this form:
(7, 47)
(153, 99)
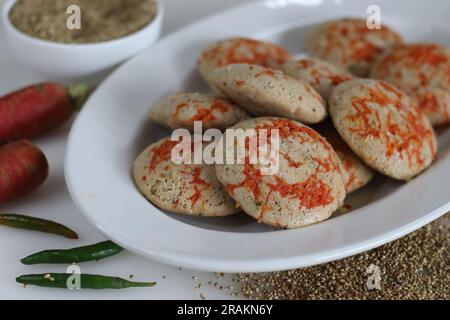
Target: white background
(53, 202)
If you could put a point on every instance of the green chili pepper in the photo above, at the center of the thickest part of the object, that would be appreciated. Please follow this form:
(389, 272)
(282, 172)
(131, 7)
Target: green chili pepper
(87, 281)
(36, 224)
(94, 252)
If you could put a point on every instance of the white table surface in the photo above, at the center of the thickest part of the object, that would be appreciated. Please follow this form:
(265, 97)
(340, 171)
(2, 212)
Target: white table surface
(52, 201)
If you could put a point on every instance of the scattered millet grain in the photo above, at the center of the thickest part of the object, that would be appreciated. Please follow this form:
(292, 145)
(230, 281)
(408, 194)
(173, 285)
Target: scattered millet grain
(101, 20)
(414, 267)
(198, 287)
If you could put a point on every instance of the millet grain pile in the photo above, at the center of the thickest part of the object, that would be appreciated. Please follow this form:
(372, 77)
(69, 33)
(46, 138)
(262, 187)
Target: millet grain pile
(101, 20)
(414, 267)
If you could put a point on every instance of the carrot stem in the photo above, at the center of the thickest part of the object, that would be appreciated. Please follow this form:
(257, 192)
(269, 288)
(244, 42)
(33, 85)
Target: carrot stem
(78, 94)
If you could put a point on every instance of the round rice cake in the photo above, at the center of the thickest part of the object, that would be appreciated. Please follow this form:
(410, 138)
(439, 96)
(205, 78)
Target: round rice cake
(186, 189)
(268, 92)
(307, 188)
(349, 43)
(356, 173)
(321, 75)
(384, 127)
(183, 109)
(423, 71)
(241, 50)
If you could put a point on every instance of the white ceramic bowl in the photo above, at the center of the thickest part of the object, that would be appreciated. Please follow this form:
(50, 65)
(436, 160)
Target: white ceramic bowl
(59, 61)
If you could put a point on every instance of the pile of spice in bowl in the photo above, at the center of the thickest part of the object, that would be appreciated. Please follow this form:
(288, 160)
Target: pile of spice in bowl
(102, 20)
(78, 40)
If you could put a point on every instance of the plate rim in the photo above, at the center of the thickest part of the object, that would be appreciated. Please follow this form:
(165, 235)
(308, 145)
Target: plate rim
(260, 265)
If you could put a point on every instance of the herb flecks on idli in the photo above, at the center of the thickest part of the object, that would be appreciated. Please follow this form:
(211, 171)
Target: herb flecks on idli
(182, 110)
(321, 75)
(186, 189)
(308, 187)
(241, 50)
(350, 43)
(268, 92)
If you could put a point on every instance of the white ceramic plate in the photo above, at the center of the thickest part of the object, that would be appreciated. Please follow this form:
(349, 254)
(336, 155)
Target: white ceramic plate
(113, 129)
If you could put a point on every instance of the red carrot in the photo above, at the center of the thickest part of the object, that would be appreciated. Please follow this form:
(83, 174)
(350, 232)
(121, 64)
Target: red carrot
(23, 168)
(38, 109)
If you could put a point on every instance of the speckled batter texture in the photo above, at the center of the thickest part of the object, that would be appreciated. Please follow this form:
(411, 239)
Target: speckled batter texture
(241, 50)
(186, 189)
(349, 43)
(414, 267)
(384, 127)
(423, 71)
(357, 175)
(321, 75)
(308, 187)
(182, 110)
(268, 92)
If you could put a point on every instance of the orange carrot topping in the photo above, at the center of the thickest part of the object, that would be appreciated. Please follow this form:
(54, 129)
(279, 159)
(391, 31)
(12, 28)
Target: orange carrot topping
(366, 52)
(338, 79)
(317, 76)
(220, 105)
(199, 185)
(196, 196)
(268, 72)
(247, 51)
(325, 74)
(179, 108)
(426, 54)
(356, 46)
(391, 89)
(161, 153)
(205, 114)
(350, 167)
(291, 163)
(311, 193)
(196, 178)
(407, 141)
(430, 103)
(252, 178)
(305, 64)
(342, 148)
(416, 58)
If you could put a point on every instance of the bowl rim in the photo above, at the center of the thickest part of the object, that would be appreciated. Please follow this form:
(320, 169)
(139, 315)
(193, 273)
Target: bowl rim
(9, 4)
